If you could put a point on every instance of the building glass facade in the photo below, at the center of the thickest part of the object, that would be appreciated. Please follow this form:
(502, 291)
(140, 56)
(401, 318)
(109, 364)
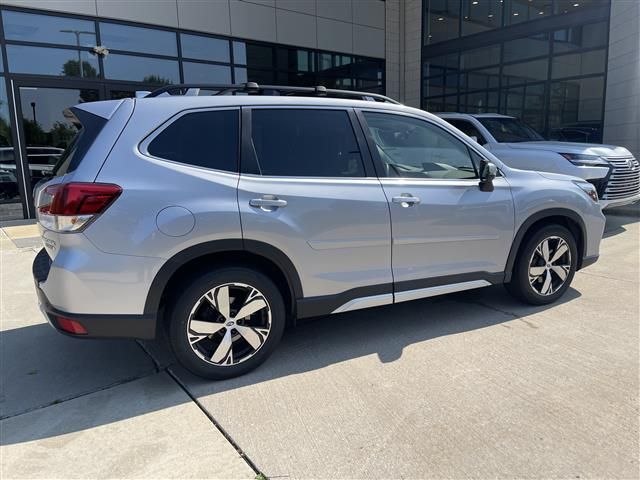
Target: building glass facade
(543, 61)
(49, 62)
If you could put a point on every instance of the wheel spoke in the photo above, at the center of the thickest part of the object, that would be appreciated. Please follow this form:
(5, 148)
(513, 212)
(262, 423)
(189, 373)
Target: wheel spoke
(219, 298)
(205, 328)
(561, 270)
(251, 307)
(224, 349)
(561, 250)
(546, 286)
(545, 250)
(536, 271)
(254, 336)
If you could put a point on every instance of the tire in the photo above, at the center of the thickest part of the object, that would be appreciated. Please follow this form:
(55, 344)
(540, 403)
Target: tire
(545, 285)
(204, 333)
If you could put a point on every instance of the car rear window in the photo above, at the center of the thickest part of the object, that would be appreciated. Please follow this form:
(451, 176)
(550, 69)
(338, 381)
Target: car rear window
(88, 126)
(203, 139)
(305, 143)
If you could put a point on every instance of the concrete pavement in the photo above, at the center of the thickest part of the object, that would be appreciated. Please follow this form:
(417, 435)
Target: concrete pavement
(468, 385)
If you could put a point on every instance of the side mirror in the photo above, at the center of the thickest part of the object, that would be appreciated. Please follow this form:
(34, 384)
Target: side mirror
(488, 172)
(474, 138)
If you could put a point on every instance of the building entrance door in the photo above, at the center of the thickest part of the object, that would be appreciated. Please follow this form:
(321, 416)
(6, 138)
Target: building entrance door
(43, 133)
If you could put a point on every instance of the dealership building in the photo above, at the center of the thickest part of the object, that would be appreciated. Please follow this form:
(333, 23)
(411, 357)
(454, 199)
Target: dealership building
(568, 68)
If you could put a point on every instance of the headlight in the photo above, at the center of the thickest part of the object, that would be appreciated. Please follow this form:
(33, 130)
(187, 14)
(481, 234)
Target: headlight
(582, 160)
(589, 189)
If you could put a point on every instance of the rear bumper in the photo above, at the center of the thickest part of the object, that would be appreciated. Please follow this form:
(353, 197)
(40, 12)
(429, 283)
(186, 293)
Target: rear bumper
(96, 326)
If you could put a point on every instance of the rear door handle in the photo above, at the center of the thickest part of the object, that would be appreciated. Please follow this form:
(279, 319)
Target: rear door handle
(268, 202)
(406, 200)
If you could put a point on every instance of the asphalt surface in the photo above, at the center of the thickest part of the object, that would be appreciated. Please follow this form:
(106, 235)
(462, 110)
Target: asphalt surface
(470, 385)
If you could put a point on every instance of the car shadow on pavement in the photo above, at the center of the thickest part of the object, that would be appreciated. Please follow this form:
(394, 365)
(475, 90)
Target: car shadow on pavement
(313, 345)
(616, 223)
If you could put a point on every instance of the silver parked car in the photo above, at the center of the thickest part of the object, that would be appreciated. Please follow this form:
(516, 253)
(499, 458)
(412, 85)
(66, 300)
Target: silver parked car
(222, 218)
(613, 170)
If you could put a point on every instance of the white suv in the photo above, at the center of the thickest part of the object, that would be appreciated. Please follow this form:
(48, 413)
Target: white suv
(612, 170)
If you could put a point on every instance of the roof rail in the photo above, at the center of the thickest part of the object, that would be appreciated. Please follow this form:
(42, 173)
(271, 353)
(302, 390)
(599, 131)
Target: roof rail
(252, 88)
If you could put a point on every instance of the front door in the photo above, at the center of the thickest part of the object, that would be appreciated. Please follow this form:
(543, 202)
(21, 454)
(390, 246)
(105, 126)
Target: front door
(308, 189)
(445, 230)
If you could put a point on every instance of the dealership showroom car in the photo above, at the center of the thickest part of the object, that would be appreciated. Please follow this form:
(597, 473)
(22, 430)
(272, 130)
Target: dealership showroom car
(613, 170)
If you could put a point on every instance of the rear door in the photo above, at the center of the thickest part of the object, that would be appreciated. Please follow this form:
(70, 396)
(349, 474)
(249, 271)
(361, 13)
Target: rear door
(308, 188)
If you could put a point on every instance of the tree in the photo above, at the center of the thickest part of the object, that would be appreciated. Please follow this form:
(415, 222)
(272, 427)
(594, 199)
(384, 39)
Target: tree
(156, 80)
(72, 69)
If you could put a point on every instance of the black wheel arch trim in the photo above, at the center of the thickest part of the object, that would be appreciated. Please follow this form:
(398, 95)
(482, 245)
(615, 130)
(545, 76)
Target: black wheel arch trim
(529, 222)
(171, 266)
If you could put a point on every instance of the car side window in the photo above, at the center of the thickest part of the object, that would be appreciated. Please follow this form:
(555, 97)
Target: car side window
(412, 148)
(305, 143)
(205, 139)
(468, 128)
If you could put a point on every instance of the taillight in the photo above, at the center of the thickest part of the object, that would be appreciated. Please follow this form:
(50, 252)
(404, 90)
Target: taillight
(68, 207)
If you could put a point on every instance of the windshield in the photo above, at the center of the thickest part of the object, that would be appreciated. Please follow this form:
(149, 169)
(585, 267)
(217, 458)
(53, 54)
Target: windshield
(510, 130)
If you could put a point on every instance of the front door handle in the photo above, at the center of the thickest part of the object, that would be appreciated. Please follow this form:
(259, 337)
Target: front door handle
(268, 203)
(406, 200)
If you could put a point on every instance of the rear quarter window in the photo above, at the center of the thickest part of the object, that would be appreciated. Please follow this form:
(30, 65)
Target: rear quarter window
(203, 139)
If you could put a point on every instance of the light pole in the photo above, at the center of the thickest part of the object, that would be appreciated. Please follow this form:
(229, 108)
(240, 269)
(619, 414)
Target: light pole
(33, 108)
(77, 33)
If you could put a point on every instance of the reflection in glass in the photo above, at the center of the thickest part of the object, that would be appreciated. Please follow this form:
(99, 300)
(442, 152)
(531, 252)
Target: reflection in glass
(480, 57)
(254, 56)
(10, 206)
(205, 73)
(573, 65)
(580, 37)
(528, 47)
(295, 59)
(570, 6)
(136, 39)
(525, 72)
(480, 16)
(244, 75)
(575, 111)
(441, 22)
(204, 48)
(47, 133)
(52, 61)
(30, 27)
(524, 10)
(141, 69)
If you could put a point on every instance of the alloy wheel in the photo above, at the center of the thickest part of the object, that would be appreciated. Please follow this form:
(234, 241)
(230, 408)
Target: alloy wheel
(549, 266)
(229, 324)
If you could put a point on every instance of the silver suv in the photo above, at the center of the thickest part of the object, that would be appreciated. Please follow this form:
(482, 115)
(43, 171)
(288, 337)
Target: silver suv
(223, 218)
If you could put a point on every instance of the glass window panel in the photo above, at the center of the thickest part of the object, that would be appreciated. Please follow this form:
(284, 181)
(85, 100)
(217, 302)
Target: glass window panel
(31, 27)
(373, 86)
(365, 68)
(52, 61)
(255, 56)
(573, 65)
(205, 73)
(295, 59)
(525, 72)
(480, 57)
(203, 139)
(141, 69)
(576, 105)
(580, 37)
(524, 48)
(481, 102)
(244, 75)
(441, 22)
(570, 6)
(239, 53)
(136, 39)
(204, 48)
(524, 10)
(320, 143)
(481, 15)
(435, 105)
(413, 148)
(300, 79)
(483, 79)
(10, 205)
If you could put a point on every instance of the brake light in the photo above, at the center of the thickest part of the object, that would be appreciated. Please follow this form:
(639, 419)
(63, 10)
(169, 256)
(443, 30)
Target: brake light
(69, 207)
(71, 326)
